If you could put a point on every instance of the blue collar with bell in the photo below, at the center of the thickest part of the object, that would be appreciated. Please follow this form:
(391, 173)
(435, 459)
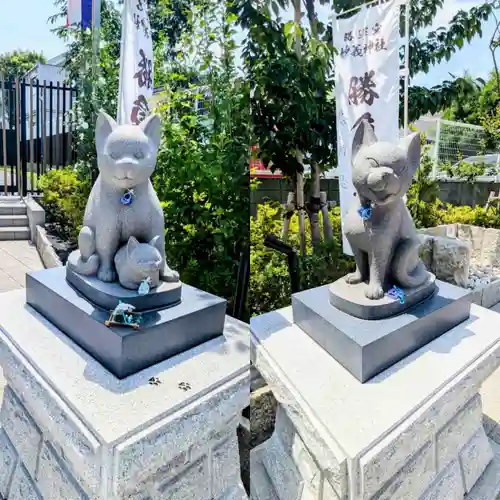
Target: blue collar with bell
(127, 197)
(365, 212)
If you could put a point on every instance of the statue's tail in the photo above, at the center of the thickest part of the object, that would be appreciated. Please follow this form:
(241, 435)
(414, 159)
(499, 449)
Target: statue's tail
(85, 260)
(408, 269)
(85, 267)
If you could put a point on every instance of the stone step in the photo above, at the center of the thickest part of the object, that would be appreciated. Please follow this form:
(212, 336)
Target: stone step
(14, 220)
(7, 208)
(10, 199)
(14, 233)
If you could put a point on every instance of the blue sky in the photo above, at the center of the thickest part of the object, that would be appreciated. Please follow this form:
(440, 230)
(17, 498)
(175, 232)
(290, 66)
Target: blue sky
(23, 25)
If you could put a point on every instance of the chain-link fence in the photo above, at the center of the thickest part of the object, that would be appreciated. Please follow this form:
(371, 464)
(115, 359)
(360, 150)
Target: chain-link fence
(455, 141)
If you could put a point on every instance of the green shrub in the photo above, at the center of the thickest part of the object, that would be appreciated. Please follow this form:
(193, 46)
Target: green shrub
(269, 278)
(64, 196)
(202, 181)
(476, 216)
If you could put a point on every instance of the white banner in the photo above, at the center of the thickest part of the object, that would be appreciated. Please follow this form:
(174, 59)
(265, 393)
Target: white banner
(367, 84)
(136, 63)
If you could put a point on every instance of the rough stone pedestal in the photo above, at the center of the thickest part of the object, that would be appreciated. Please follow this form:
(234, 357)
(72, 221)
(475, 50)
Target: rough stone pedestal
(72, 431)
(412, 432)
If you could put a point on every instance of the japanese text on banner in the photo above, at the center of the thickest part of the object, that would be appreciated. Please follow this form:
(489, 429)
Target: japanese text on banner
(367, 85)
(136, 63)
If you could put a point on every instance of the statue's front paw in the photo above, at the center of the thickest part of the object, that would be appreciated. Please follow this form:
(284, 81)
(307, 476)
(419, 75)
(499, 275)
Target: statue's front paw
(354, 278)
(106, 274)
(170, 276)
(374, 291)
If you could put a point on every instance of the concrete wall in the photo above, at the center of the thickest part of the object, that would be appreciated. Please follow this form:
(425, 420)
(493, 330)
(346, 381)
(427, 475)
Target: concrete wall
(457, 193)
(277, 190)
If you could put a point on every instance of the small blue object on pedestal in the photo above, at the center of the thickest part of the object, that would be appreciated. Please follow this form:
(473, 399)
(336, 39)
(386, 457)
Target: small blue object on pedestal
(144, 287)
(397, 293)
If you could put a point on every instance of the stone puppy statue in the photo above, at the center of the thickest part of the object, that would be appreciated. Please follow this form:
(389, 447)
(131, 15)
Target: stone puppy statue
(378, 226)
(136, 261)
(126, 157)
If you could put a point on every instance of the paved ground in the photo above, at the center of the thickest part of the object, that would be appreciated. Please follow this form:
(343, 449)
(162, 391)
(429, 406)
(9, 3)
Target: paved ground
(16, 259)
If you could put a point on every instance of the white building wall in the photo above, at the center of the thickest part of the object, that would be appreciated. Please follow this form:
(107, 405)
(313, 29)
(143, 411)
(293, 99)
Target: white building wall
(47, 74)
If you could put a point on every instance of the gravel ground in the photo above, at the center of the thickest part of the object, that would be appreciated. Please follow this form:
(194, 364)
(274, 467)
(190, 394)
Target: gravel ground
(481, 276)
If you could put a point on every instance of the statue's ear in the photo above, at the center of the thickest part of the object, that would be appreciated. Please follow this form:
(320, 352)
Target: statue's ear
(132, 244)
(104, 126)
(152, 128)
(412, 147)
(154, 242)
(364, 136)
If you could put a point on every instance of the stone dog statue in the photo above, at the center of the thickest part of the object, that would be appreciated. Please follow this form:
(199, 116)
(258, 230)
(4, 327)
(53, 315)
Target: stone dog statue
(123, 202)
(378, 226)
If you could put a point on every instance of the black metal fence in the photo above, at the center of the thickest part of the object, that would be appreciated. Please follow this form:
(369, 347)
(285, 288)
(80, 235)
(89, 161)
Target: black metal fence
(35, 132)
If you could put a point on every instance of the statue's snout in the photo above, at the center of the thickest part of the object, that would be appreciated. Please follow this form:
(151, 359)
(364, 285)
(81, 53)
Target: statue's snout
(379, 178)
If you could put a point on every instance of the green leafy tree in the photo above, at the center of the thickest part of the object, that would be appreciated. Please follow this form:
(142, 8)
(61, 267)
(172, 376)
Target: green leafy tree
(290, 67)
(438, 46)
(17, 63)
(202, 176)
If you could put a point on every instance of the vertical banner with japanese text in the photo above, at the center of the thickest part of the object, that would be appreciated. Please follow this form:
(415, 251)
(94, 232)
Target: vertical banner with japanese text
(136, 63)
(367, 84)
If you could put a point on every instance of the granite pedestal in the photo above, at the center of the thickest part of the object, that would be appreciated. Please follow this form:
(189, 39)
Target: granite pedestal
(70, 430)
(108, 295)
(412, 432)
(198, 317)
(366, 347)
(351, 299)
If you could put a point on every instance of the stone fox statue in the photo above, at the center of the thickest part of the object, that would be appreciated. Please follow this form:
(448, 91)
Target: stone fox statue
(378, 226)
(122, 203)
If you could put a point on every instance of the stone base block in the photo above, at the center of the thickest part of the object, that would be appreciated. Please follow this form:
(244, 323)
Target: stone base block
(72, 431)
(366, 347)
(415, 431)
(198, 318)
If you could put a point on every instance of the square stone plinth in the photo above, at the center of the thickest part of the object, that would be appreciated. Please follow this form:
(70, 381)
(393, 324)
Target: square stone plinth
(71, 430)
(366, 347)
(413, 431)
(163, 333)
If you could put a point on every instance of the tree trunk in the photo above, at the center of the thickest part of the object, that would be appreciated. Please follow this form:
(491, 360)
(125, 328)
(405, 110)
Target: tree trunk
(300, 176)
(314, 205)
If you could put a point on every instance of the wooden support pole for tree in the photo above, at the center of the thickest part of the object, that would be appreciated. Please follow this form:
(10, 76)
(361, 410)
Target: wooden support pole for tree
(327, 224)
(493, 198)
(289, 210)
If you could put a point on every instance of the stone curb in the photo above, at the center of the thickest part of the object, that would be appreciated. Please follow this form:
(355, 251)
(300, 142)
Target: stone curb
(45, 249)
(36, 216)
